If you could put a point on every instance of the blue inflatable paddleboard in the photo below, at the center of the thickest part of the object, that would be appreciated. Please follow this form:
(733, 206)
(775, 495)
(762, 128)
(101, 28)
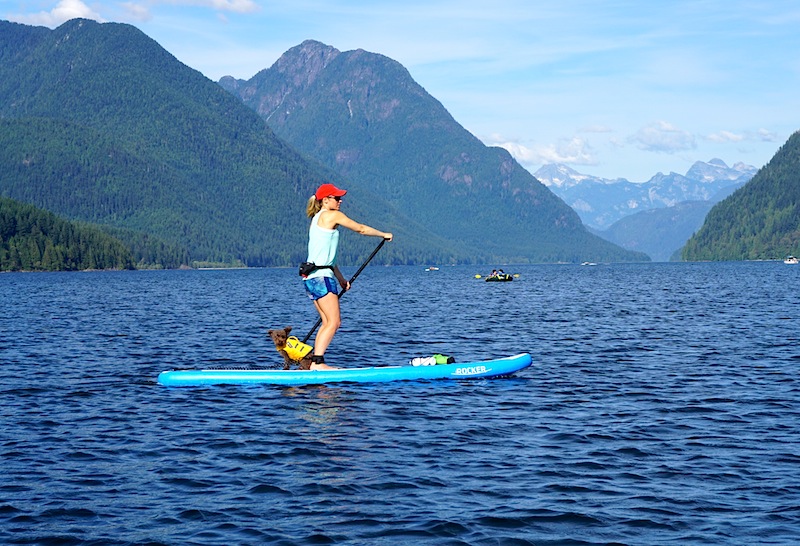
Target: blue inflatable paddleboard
(465, 370)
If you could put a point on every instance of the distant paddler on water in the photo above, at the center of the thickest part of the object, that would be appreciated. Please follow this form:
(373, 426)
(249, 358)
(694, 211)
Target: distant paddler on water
(498, 275)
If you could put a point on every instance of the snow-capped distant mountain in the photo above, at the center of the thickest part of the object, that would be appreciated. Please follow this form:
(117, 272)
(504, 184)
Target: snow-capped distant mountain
(600, 202)
(561, 176)
(716, 170)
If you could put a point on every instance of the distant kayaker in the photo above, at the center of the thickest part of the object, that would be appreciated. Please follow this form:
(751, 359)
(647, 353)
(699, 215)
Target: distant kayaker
(323, 241)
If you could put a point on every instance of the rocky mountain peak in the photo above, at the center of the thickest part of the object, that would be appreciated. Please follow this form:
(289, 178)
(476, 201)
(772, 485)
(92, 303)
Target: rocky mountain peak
(717, 170)
(559, 175)
(302, 64)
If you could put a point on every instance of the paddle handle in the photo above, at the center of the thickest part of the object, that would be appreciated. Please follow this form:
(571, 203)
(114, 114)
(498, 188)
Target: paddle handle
(353, 278)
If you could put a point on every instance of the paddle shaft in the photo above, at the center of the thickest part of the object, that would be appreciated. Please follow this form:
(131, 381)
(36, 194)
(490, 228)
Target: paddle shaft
(357, 273)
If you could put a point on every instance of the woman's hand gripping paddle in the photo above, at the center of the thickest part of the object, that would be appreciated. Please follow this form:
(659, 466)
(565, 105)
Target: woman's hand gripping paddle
(357, 273)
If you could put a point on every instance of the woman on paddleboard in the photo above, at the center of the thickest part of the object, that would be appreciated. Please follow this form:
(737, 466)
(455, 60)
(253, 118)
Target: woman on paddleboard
(323, 241)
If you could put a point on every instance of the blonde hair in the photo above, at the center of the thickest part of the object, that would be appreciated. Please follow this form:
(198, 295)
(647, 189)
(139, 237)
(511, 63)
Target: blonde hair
(313, 206)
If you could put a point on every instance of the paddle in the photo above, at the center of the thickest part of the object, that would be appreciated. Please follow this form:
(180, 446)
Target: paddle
(357, 273)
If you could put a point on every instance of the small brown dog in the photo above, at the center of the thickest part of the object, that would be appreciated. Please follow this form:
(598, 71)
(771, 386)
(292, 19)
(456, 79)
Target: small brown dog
(291, 349)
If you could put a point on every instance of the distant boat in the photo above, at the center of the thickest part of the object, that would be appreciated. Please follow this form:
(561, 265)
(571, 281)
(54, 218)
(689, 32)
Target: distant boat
(791, 260)
(432, 268)
(588, 263)
(499, 277)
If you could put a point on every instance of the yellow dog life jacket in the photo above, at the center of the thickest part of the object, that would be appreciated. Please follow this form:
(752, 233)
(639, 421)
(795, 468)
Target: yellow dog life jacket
(296, 349)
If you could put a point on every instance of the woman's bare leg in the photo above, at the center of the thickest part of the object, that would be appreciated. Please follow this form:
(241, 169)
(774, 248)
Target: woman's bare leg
(328, 309)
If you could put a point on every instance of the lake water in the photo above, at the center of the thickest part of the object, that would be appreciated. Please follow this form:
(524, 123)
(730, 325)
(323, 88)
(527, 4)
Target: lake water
(663, 407)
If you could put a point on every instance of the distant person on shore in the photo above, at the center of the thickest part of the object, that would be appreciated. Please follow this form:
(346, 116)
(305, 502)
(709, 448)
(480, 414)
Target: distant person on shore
(323, 241)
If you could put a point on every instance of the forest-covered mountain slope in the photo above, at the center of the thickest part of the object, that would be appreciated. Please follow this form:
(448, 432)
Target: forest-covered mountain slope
(761, 220)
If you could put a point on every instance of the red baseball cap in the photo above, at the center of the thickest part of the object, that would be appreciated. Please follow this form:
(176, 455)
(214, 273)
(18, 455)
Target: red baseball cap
(328, 190)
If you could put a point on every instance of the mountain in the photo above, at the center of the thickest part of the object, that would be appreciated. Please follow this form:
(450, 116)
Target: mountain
(761, 220)
(99, 123)
(600, 202)
(661, 232)
(362, 115)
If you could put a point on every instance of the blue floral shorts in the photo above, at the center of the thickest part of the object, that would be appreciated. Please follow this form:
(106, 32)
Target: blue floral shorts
(320, 286)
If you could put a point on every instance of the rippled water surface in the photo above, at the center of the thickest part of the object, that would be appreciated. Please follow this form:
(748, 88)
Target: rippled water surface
(663, 407)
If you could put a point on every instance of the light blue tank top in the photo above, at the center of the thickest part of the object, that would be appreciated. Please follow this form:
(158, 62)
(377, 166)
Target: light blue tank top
(322, 246)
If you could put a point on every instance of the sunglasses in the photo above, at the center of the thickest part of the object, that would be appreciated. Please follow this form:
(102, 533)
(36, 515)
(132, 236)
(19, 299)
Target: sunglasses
(337, 197)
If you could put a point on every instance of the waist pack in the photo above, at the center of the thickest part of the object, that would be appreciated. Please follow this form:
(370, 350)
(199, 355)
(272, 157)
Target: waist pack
(307, 268)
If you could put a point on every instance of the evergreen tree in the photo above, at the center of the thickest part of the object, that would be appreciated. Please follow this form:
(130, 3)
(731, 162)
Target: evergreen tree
(35, 240)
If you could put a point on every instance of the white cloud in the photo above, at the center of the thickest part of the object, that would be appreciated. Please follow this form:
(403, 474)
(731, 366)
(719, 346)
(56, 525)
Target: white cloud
(762, 135)
(574, 151)
(136, 11)
(521, 153)
(767, 136)
(725, 136)
(662, 136)
(62, 12)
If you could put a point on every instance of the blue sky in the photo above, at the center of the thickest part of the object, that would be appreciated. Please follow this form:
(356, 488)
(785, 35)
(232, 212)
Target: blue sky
(618, 88)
